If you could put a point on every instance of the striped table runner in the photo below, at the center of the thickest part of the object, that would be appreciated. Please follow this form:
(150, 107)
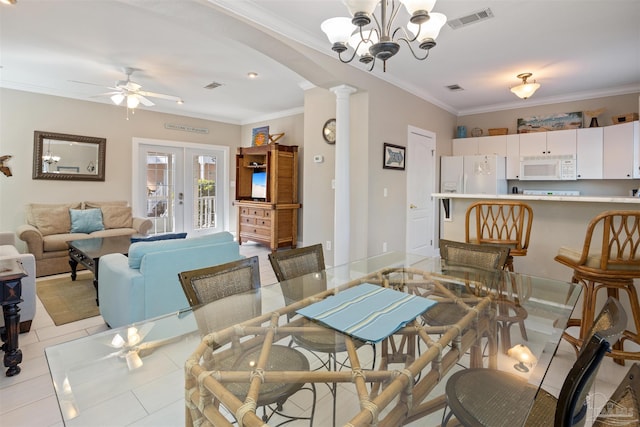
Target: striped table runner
(367, 312)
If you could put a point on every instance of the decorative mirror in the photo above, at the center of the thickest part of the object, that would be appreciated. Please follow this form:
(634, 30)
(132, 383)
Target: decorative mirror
(68, 157)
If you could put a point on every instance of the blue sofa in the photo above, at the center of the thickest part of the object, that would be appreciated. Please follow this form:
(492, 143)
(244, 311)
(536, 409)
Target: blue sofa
(145, 283)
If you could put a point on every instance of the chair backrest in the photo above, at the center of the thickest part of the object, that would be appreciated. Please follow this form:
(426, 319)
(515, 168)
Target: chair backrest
(474, 262)
(297, 262)
(607, 328)
(208, 284)
(490, 257)
(619, 247)
(623, 407)
(503, 222)
(610, 322)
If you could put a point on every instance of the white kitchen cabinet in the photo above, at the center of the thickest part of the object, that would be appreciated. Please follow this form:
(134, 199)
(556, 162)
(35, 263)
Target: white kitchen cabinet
(621, 151)
(513, 156)
(465, 146)
(556, 143)
(589, 143)
(533, 144)
(493, 145)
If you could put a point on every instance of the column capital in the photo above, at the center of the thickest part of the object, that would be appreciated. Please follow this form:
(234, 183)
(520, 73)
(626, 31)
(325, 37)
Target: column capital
(343, 90)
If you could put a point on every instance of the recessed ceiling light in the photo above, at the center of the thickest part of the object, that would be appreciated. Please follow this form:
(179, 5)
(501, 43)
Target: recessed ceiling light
(252, 75)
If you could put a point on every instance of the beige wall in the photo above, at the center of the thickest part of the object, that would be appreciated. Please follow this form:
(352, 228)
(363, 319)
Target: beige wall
(613, 105)
(22, 113)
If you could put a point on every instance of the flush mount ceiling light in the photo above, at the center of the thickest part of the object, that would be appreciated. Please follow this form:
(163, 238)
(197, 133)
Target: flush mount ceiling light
(382, 40)
(9, 1)
(525, 90)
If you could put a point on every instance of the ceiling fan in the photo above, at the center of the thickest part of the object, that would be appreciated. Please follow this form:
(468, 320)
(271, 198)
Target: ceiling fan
(132, 93)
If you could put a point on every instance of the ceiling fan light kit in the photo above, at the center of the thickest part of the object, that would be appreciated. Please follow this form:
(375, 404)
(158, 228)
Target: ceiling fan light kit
(526, 89)
(382, 40)
(132, 93)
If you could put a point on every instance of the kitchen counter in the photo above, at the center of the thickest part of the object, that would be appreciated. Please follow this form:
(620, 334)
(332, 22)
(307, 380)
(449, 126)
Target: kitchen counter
(557, 221)
(531, 197)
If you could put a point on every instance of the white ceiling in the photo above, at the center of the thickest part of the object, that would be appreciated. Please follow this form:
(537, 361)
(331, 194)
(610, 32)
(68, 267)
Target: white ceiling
(575, 49)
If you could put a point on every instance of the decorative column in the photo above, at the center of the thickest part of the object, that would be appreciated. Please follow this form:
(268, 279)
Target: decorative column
(342, 214)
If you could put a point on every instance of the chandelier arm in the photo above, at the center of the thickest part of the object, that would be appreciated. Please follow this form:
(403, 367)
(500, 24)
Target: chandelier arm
(370, 38)
(348, 60)
(413, 52)
(392, 18)
(406, 37)
(372, 64)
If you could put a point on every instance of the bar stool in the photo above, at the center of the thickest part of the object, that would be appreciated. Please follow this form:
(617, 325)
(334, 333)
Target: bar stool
(612, 264)
(503, 223)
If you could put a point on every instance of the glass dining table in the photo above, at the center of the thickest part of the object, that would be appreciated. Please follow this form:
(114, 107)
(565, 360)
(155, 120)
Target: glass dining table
(393, 379)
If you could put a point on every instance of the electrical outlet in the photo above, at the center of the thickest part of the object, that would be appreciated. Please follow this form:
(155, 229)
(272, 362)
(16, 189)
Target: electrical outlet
(385, 193)
(328, 245)
(384, 246)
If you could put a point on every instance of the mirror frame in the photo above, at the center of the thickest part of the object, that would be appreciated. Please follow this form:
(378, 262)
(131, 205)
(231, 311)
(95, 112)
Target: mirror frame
(38, 152)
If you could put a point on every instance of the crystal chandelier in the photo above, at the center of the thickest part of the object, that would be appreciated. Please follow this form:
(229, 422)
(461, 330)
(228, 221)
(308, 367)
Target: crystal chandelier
(382, 40)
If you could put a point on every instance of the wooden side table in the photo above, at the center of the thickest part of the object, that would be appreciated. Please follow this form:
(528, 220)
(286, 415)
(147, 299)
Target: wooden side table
(11, 274)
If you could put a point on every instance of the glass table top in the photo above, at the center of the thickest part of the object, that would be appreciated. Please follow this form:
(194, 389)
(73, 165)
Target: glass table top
(144, 364)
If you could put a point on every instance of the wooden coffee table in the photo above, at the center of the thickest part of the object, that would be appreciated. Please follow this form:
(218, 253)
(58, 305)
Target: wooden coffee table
(87, 252)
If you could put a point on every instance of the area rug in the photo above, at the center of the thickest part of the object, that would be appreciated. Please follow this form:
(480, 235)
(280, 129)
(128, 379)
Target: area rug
(67, 301)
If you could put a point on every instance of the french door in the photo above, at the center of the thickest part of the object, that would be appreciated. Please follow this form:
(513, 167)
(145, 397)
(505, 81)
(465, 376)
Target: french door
(180, 187)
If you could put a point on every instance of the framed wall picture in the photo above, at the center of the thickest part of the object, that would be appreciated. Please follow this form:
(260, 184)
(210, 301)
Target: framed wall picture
(551, 122)
(393, 156)
(260, 136)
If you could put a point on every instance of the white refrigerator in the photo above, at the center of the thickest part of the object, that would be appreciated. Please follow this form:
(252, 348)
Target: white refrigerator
(482, 174)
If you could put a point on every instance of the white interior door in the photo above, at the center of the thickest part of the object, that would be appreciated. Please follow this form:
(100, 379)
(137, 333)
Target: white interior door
(180, 187)
(421, 178)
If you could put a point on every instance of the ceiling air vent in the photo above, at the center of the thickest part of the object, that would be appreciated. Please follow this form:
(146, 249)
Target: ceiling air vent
(463, 21)
(213, 85)
(454, 88)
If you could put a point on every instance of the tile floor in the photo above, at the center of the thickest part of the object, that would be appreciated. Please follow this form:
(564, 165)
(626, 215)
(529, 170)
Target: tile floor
(28, 399)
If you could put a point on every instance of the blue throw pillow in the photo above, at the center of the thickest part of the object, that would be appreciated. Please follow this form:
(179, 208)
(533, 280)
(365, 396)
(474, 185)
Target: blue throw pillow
(157, 237)
(86, 220)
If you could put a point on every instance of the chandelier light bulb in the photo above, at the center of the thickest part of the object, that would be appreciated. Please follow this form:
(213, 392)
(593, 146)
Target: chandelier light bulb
(427, 33)
(338, 30)
(420, 10)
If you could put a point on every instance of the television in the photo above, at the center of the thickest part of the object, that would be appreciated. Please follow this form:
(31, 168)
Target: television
(259, 185)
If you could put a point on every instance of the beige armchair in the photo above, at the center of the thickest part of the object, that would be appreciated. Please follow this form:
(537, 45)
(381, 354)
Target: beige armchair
(28, 305)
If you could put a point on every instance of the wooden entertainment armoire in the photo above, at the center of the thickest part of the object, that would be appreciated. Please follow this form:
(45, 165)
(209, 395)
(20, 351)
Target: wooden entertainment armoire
(272, 221)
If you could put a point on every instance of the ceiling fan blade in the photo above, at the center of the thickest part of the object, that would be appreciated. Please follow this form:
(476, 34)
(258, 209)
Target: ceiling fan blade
(107, 94)
(160, 95)
(144, 101)
(92, 84)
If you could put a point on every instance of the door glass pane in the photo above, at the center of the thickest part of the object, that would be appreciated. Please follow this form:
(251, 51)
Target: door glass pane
(204, 189)
(160, 175)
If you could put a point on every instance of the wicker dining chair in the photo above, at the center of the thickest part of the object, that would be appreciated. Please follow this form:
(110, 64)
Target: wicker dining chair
(623, 407)
(298, 262)
(609, 260)
(488, 397)
(477, 264)
(233, 282)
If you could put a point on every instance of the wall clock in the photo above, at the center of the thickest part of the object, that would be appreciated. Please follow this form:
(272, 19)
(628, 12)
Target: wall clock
(329, 131)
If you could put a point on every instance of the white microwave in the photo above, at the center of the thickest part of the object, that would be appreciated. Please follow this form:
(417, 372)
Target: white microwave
(548, 168)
